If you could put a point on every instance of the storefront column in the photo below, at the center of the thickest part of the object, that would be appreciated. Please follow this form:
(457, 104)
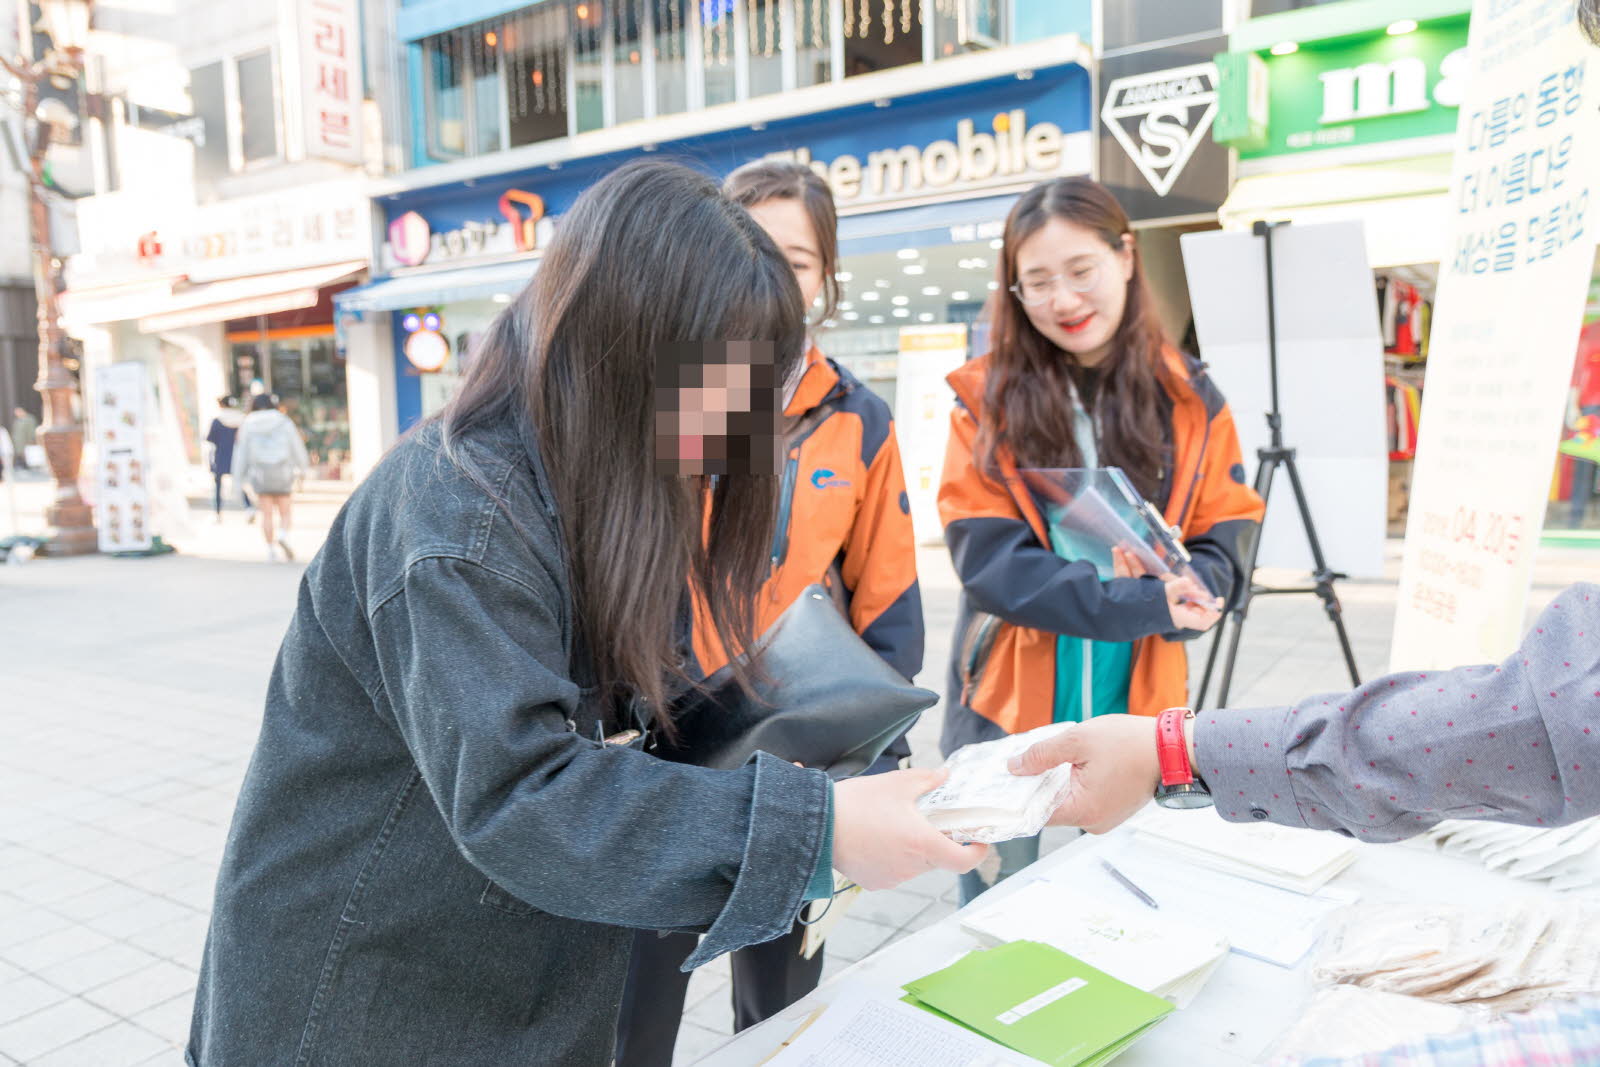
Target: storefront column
(369, 370)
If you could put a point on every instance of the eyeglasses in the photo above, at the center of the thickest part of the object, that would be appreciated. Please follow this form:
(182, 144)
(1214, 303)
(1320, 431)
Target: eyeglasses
(1082, 278)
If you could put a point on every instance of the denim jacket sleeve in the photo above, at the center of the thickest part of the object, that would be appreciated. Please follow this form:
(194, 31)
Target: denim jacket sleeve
(474, 670)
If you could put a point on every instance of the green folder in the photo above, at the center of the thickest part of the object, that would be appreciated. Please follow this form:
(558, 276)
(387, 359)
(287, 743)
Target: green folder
(1041, 1002)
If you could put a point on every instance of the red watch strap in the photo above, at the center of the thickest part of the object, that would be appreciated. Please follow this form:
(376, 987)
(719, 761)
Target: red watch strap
(1171, 749)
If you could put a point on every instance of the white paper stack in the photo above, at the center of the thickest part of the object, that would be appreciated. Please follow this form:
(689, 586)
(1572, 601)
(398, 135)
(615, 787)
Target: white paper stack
(1562, 857)
(1130, 942)
(1299, 860)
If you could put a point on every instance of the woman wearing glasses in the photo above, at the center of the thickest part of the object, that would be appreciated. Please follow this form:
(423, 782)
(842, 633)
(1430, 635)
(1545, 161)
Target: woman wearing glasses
(1080, 374)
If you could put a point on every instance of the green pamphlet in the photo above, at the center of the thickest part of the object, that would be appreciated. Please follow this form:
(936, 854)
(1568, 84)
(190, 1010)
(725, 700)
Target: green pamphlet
(1041, 1002)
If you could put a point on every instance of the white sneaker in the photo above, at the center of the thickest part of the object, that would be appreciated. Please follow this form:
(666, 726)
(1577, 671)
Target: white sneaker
(273, 555)
(288, 553)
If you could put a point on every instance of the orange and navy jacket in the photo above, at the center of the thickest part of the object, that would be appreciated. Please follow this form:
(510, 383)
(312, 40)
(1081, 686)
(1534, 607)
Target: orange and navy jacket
(1018, 595)
(843, 520)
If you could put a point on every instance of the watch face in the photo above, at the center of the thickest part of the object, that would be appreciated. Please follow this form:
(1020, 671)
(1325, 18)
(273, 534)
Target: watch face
(1183, 798)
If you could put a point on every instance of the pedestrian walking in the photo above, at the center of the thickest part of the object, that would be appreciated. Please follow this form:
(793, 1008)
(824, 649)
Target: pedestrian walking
(24, 434)
(1080, 374)
(221, 436)
(448, 832)
(269, 456)
(844, 522)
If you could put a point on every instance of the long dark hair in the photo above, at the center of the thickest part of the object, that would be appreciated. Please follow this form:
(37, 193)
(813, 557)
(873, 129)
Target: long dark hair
(1027, 405)
(772, 179)
(650, 255)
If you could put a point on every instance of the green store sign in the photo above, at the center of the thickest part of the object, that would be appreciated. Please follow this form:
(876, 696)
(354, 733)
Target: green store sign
(1346, 92)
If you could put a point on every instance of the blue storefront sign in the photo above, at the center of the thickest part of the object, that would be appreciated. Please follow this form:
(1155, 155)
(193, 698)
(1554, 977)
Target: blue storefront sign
(913, 171)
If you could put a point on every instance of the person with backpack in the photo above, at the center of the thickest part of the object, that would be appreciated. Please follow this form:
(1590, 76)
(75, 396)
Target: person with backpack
(268, 456)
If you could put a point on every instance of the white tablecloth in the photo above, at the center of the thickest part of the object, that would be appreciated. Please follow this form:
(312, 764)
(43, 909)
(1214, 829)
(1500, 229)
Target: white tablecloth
(1244, 1008)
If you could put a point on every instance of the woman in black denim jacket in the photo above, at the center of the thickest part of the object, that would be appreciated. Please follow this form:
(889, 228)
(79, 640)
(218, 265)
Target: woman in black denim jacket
(434, 858)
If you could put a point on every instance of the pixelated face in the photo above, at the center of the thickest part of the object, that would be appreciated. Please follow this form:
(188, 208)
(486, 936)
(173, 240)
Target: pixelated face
(717, 408)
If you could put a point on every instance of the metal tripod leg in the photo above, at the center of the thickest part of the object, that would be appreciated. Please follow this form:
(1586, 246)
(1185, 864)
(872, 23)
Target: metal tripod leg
(1323, 576)
(1267, 466)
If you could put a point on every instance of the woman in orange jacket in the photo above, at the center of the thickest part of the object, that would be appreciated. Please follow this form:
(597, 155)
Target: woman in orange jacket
(844, 521)
(1080, 374)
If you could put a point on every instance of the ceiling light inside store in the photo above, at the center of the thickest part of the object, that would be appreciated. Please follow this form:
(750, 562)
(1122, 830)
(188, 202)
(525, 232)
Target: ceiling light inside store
(851, 316)
(993, 286)
(915, 269)
(909, 253)
(1285, 48)
(930, 290)
(960, 294)
(876, 320)
(870, 294)
(925, 317)
(502, 298)
(997, 244)
(845, 305)
(901, 301)
(901, 313)
(1402, 26)
(844, 276)
(491, 38)
(881, 284)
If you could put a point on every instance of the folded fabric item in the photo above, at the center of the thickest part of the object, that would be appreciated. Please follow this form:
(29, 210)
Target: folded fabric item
(982, 801)
(1565, 1034)
(1301, 860)
(829, 701)
(1562, 857)
(1347, 1021)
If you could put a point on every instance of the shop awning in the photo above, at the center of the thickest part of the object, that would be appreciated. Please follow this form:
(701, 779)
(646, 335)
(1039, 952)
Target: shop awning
(1403, 205)
(239, 298)
(438, 287)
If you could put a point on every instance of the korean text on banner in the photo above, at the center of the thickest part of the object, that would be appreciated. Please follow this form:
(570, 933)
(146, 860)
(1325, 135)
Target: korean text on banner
(330, 79)
(1510, 301)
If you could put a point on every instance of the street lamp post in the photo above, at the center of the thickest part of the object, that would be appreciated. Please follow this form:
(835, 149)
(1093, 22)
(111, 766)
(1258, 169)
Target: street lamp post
(71, 521)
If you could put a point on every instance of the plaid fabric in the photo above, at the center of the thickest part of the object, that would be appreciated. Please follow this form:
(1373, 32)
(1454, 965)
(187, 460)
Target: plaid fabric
(1565, 1034)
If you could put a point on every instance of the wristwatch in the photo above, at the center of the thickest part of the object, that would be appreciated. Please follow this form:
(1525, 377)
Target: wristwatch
(1179, 788)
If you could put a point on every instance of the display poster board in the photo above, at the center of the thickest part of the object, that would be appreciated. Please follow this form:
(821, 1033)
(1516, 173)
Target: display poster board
(1330, 380)
(922, 416)
(1505, 329)
(122, 459)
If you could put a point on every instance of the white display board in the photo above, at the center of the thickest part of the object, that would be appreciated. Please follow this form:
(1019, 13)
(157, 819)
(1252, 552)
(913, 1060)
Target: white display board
(1505, 328)
(122, 458)
(1330, 380)
(922, 416)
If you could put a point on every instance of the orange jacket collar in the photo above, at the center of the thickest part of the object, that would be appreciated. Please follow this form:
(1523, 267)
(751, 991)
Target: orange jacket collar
(817, 381)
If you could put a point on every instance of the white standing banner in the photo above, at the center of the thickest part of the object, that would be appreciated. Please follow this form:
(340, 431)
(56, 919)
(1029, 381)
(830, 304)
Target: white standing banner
(922, 416)
(122, 458)
(1330, 380)
(1510, 301)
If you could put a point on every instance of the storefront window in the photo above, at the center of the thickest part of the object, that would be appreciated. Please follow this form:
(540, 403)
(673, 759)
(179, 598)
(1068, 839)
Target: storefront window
(588, 66)
(535, 51)
(718, 40)
(303, 370)
(463, 325)
(764, 33)
(497, 84)
(447, 104)
(814, 54)
(628, 25)
(879, 34)
(671, 55)
(966, 26)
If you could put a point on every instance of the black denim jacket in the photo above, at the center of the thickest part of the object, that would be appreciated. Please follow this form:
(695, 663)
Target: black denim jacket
(433, 860)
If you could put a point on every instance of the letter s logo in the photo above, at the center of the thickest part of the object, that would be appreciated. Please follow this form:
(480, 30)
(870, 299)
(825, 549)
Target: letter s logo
(1164, 136)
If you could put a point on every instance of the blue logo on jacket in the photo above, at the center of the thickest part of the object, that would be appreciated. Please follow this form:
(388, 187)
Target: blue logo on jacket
(823, 478)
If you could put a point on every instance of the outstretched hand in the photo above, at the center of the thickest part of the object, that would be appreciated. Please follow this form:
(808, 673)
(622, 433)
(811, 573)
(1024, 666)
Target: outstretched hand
(880, 839)
(1115, 769)
(1190, 604)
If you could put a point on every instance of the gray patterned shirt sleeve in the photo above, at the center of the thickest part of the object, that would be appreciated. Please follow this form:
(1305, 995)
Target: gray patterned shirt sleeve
(1518, 742)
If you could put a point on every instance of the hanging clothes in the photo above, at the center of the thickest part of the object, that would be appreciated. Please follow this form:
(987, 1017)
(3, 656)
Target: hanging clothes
(1404, 415)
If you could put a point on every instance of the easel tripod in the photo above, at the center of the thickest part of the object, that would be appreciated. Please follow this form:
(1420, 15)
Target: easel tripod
(1270, 458)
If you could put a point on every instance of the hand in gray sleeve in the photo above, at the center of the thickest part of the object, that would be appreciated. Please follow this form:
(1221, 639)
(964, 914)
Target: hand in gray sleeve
(1518, 742)
(475, 677)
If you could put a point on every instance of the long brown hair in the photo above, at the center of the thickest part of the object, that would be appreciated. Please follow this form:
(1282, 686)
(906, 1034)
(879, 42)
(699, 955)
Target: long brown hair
(1027, 404)
(771, 179)
(650, 255)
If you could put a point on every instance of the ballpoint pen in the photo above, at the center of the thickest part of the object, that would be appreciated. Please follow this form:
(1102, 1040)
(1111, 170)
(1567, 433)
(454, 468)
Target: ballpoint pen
(1128, 885)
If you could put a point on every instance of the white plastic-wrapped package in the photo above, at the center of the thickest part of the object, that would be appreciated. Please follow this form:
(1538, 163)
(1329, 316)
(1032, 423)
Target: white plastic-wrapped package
(983, 802)
(1347, 1020)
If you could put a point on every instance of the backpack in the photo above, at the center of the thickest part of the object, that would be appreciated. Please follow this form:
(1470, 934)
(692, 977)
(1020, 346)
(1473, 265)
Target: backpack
(272, 468)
